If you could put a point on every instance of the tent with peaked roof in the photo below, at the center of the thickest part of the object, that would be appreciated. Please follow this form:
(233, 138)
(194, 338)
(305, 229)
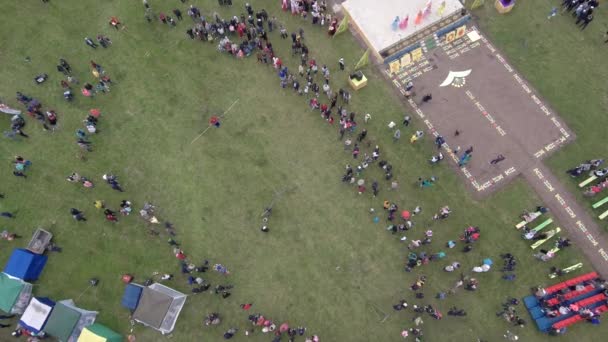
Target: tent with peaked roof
(159, 307)
(67, 321)
(99, 333)
(37, 314)
(25, 265)
(15, 294)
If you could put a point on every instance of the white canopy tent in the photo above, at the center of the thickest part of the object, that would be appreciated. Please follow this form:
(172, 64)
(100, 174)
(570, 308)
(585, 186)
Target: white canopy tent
(159, 307)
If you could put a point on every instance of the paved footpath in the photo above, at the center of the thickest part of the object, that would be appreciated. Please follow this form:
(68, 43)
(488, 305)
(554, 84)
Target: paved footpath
(582, 229)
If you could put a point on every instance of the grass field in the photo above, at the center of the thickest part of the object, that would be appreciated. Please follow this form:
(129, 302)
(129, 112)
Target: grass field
(324, 264)
(569, 67)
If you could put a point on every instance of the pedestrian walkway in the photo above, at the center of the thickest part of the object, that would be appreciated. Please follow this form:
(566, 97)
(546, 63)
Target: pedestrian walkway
(582, 228)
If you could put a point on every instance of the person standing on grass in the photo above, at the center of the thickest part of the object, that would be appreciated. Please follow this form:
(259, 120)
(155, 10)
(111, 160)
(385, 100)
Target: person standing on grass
(416, 136)
(7, 214)
(341, 63)
(406, 120)
(396, 135)
(20, 165)
(553, 13)
(77, 214)
(362, 135)
(90, 42)
(96, 67)
(115, 23)
(334, 100)
(588, 18)
(356, 151)
(110, 215)
(178, 14)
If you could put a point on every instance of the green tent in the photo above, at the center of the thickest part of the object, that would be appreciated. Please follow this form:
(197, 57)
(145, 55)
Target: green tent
(15, 294)
(66, 320)
(99, 333)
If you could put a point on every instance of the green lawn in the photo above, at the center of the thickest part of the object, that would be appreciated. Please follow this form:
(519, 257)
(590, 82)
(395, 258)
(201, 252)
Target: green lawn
(569, 67)
(324, 264)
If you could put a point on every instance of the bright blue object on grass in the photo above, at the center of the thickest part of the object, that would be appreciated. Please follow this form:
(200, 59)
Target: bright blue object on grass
(25, 265)
(130, 298)
(530, 302)
(536, 312)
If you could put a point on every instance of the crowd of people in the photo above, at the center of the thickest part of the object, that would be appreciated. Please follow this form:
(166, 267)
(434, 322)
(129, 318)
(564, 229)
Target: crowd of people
(558, 306)
(582, 10)
(244, 35)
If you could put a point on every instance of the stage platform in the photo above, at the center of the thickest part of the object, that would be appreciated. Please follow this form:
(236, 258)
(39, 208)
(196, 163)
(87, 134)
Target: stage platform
(373, 20)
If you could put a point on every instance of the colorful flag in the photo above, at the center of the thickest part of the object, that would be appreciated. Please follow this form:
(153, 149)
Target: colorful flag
(441, 8)
(477, 3)
(404, 22)
(418, 19)
(343, 26)
(427, 8)
(363, 61)
(396, 23)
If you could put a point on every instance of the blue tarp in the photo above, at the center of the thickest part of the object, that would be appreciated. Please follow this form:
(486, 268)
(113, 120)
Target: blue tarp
(530, 302)
(25, 265)
(536, 312)
(544, 323)
(130, 299)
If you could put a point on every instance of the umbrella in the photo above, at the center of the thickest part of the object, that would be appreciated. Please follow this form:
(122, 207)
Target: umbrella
(376, 219)
(405, 215)
(485, 267)
(488, 262)
(284, 327)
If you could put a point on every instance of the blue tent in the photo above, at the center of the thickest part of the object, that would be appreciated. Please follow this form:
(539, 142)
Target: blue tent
(25, 265)
(130, 299)
(37, 314)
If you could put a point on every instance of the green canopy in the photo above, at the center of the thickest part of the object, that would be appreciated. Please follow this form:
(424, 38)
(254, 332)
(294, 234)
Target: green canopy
(67, 320)
(11, 289)
(62, 322)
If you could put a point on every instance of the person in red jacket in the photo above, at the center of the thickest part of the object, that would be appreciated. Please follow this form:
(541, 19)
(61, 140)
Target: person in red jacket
(114, 22)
